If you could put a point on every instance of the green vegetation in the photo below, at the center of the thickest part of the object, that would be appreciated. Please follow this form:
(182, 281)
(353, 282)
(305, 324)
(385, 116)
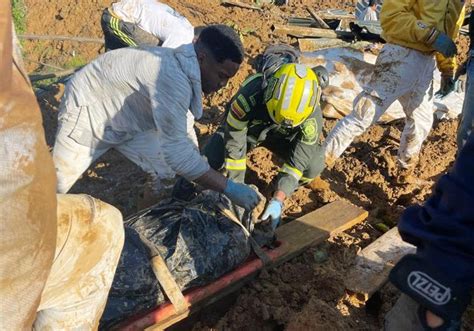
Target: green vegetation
(75, 61)
(19, 15)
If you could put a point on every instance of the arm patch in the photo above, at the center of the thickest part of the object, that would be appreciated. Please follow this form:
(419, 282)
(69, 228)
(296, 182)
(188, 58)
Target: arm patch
(237, 110)
(309, 131)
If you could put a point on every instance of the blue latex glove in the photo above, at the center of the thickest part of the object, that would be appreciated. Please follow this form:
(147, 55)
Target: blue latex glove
(445, 45)
(242, 195)
(273, 210)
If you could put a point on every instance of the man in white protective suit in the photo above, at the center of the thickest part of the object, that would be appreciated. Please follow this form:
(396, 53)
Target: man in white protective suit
(136, 101)
(415, 34)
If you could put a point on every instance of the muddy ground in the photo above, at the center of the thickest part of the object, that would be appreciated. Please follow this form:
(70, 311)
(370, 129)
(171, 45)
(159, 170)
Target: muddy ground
(307, 292)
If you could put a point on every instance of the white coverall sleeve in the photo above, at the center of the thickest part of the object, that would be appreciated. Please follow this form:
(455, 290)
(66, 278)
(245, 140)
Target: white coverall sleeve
(170, 104)
(166, 24)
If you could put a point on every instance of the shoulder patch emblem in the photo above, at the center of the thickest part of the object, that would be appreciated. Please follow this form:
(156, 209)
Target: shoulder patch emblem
(236, 110)
(310, 131)
(244, 103)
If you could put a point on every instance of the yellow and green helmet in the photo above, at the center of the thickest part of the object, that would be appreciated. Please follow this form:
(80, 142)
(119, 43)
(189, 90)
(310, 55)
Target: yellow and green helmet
(292, 94)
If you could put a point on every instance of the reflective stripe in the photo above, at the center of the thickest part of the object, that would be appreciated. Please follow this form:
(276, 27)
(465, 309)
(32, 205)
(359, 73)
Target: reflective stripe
(287, 169)
(305, 97)
(301, 70)
(315, 94)
(244, 103)
(290, 87)
(251, 78)
(231, 164)
(235, 123)
(114, 23)
(305, 180)
(279, 87)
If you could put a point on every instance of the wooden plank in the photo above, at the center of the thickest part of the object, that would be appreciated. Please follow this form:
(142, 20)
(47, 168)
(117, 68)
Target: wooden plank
(318, 19)
(327, 15)
(302, 32)
(314, 44)
(299, 31)
(373, 265)
(317, 226)
(239, 4)
(167, 282)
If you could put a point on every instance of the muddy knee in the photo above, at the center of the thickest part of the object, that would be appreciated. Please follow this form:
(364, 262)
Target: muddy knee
(110, 220)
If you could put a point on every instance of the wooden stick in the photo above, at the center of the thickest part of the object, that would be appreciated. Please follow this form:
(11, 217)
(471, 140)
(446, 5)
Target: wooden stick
(302, 32)
(373, 264)
(43, 64)
(57, 74)
(169, 285)
(64, 38)
(318, 19)
(239, 4)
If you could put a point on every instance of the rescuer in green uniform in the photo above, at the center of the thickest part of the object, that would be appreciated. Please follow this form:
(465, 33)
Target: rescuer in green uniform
(283, 112)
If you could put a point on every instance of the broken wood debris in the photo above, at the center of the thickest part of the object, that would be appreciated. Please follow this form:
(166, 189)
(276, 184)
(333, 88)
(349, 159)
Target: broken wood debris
(302, 32)
(318, 19)
(335, 15)
(373, 265)
(314, 44)
(237, 3)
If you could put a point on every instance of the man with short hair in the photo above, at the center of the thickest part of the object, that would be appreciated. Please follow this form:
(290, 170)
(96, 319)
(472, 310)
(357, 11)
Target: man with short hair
(136, 100)
(144, 23)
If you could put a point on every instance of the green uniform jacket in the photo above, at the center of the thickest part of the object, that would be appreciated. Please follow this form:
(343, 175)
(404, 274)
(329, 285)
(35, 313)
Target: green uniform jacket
(248, 122)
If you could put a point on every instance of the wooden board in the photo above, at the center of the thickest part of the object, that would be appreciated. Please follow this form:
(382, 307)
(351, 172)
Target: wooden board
(312, 44)
(302, 32)
(333, 15)
(373, 265)
(168, 284)
(317, 226)
(318, 19)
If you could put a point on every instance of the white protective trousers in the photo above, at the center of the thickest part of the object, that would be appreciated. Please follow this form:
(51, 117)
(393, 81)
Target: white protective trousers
(71, 158)
(401, 74)
(89, 241)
